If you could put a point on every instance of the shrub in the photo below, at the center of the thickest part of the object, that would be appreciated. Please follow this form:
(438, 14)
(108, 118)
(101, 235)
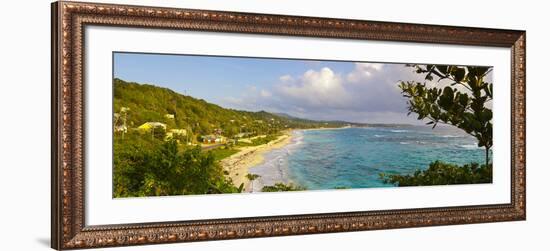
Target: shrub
(440, 173)
(281, 187)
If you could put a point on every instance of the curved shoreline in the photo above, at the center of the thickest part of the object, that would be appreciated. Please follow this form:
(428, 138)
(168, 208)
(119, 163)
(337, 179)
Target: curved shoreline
(238, 164)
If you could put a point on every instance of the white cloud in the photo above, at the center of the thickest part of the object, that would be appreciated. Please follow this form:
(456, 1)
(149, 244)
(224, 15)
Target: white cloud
(363, 71)
(367, 93)
(286, 78)
(314, 89)
(265, 93)
(248, 100)
(329, 95)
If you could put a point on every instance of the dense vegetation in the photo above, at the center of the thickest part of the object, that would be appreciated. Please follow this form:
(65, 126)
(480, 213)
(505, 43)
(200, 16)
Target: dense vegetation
(281, 187)
(469, 111)
(440, 173)
(145, 166)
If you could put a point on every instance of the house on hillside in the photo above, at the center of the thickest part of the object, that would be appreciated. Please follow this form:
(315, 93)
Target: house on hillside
(147, 126)
(211, 139)
(172, 133)
(181, 132)
(169, 116)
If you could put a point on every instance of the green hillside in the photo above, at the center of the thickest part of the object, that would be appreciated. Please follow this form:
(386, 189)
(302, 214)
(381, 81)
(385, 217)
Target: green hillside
(149, 163)
(148, 103)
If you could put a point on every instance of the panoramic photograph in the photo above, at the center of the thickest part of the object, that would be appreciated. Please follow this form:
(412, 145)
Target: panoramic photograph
(197, 125)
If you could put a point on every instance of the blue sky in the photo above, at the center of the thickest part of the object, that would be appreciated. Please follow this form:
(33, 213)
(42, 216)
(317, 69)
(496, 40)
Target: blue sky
(327, 90)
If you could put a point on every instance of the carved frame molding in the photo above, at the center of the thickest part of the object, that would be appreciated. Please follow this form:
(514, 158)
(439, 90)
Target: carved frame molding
(68, 226)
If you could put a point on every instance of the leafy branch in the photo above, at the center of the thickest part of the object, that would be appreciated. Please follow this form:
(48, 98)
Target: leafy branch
(448, 105)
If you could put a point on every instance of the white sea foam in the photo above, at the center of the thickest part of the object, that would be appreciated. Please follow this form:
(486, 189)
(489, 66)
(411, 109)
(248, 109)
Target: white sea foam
(470, 146)
(450, 136)
(274, 168)
(399, 130)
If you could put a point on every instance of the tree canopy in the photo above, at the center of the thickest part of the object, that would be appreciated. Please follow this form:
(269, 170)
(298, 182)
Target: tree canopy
(460, 97)
(468, 110)
(145, 166)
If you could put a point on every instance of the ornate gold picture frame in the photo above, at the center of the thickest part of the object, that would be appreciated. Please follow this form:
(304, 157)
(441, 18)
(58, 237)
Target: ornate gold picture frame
(69, 230)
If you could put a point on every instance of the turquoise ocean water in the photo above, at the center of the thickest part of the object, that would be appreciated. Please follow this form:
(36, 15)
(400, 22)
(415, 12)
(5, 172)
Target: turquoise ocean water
(354, 157)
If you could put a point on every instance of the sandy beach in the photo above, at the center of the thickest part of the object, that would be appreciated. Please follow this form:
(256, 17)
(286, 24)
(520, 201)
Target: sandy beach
(238, 164)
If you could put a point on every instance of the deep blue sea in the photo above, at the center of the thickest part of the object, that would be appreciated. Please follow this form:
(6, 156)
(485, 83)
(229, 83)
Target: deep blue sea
(354, 157)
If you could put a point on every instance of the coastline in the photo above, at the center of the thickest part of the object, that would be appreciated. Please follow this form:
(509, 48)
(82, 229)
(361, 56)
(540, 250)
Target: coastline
(238, 164)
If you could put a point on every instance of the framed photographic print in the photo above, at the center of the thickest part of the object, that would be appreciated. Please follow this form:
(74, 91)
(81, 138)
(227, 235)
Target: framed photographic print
(175, 125)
